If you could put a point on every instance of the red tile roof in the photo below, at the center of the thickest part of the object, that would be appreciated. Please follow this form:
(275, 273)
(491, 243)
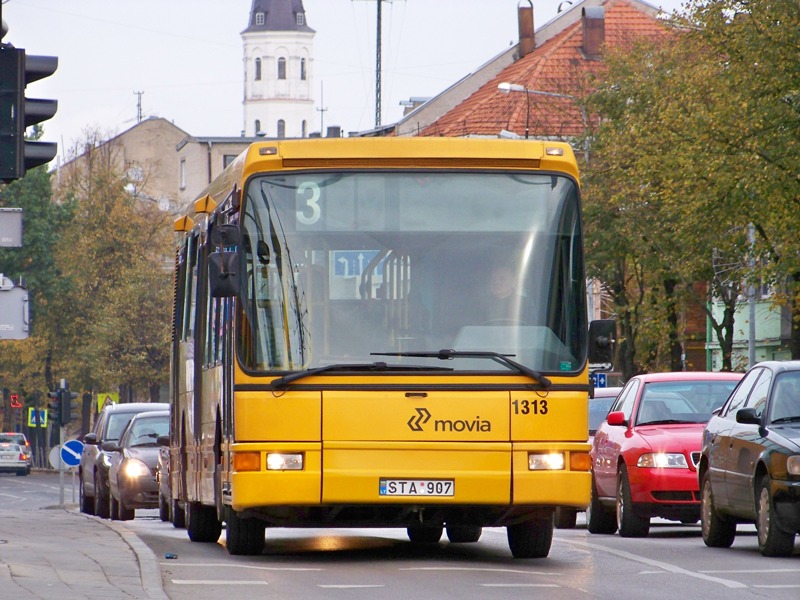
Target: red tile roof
(557, 66)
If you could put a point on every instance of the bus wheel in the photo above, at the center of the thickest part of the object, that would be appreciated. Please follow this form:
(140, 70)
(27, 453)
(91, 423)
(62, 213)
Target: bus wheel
(464, 534)
(244, 536)
(566, 517)
(177, 515)
(202, 523)
(425, 535)
(531, 539)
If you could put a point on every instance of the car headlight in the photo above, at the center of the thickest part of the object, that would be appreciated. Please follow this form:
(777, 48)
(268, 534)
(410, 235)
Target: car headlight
(662, 460)
(793, 464)
(135, 468)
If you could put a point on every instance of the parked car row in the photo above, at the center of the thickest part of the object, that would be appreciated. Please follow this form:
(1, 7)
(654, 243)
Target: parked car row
(721, 448)
(22, 462)
(122, 443)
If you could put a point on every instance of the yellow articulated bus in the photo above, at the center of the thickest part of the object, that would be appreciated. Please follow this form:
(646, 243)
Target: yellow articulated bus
(382, 332)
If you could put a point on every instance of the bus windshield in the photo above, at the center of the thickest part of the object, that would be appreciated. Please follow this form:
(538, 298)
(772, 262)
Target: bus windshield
(341, 265)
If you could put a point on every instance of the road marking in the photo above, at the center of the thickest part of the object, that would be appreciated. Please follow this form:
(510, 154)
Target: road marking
(472, 569)
(657, 563)
(215, 582)
(519, 585)
(349, 587)
(172, 563)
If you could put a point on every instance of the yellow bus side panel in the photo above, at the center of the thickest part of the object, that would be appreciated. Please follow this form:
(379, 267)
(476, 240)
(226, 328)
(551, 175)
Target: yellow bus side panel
(563, 488)
(261, 416)
(549, 417)
(352, 471)
(264, 488)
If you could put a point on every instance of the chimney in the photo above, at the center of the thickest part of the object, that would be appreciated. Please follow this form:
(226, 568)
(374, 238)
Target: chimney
(527, 41)
(594, 30)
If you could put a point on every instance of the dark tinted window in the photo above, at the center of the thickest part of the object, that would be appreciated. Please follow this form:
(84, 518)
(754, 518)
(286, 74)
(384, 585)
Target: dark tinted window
(740, 394)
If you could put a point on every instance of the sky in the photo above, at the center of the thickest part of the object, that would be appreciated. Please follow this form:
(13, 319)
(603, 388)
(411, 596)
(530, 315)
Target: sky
(185, 57)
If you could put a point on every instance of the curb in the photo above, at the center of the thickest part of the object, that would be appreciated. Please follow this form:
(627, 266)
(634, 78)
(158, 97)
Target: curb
(149, 571)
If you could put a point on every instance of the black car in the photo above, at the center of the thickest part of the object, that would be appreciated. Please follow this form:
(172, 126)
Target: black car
(132, 472)
(93, 469)
(749, 470)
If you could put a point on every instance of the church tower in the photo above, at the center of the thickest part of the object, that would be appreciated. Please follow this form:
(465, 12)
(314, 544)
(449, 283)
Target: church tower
(278, 70)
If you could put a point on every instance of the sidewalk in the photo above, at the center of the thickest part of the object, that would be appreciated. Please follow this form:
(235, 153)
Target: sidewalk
(61, 554)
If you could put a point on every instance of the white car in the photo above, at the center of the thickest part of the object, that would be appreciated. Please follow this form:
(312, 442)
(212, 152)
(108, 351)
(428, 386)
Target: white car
(12, 458)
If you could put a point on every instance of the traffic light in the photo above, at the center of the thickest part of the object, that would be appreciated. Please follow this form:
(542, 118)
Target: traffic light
(17, 113)
(15, 403)
(53, 411)
(65, 406)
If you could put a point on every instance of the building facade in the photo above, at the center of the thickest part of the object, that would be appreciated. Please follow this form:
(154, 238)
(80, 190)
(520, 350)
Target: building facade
(278, 70)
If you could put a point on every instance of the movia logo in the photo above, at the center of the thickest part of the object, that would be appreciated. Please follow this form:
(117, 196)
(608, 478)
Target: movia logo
(416, 422)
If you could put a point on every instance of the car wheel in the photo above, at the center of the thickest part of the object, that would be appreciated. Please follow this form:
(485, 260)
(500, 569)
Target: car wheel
(628, 522)
(85, 502)
(424, 535)
(772, 540)
(598, 519)
(464, 534)
(100, 500)
(531, 539)
(113, 507)
(163, 508)
(566, 518)
(202, 523)
(124, 513)
(718, 530)
(244, 537)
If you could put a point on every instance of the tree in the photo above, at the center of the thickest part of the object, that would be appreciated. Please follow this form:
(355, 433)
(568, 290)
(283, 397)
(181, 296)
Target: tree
(119, 246)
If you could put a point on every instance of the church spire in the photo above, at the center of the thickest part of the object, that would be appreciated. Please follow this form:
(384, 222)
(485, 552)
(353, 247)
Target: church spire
(277, 15)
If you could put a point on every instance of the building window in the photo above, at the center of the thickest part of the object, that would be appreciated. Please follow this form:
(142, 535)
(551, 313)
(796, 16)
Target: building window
(258, 127)
(303, 69)
(304, 129)
(260, 20)
(281, 68)
(183, 174)
(281, 128)
(227, 159)
(301, 18)
(258, 69)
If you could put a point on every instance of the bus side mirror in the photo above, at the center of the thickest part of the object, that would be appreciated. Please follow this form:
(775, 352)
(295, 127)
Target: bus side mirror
(223, 266)
(602, 344)
(223, 274)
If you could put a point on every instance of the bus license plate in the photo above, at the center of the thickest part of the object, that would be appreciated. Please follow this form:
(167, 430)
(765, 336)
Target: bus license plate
(417, 487)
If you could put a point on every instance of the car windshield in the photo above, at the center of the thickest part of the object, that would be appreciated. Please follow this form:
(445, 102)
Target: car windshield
(598, 410)
(144, 431)
(666, 402)
(116, 423)
(785, 402)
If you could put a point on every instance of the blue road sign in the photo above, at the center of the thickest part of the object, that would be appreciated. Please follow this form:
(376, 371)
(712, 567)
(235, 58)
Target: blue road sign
(599, 380)
(71, 453)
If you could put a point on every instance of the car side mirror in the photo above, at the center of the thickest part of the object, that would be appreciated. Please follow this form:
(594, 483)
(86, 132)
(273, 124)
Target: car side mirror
(90, 438)
(163, 440)
(110, 447)
(616, 418)
(748, 416)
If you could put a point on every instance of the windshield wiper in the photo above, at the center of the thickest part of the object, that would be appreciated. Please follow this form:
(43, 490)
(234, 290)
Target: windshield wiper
(786, 419)
(450, 354)
(666, 422)
(285, 380)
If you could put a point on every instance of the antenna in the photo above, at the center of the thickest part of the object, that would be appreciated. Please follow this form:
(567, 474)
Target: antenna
(138, 106)
(322, 108)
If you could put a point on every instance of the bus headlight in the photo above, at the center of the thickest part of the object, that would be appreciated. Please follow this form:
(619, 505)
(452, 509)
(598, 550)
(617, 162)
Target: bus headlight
(662, 460)
(553, 461)
(277, 461)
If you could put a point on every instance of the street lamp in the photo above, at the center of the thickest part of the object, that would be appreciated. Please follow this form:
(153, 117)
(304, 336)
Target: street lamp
(507, 88)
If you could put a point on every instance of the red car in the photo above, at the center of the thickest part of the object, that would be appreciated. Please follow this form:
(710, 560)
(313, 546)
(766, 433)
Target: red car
(645, 454)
